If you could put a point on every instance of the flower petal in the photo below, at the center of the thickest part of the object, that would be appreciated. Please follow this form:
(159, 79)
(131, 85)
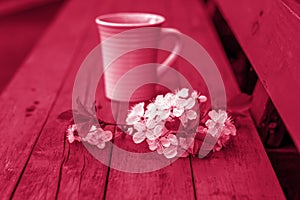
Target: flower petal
(183, 143)
(202, 98)
(158, 129)
(92, 138)
(105, 136)
(180, 103)
(213, 115)
(213, 131)
(191, 114)
(139, 126)
(173, 139)
(190, 103)
(164, 114)
(151, 135)
(229, 129)
(170, 152)
(93, 128)
(130, 120)
(177, 112)
(160, 149)
(138, 109)
(194, 94)
(150, 113)
(129, 131)
(184, 92)
(160, 102)
(101, 145)
(70, 137)
(153, 144)
(184, 120)
(165, 142)
(150, 123)
(139, 137)
(210, 124)
(222, 116)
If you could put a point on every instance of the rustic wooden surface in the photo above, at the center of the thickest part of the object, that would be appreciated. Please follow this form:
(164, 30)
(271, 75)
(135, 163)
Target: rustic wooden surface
(14, 6)
(37, 162)
(269, 35)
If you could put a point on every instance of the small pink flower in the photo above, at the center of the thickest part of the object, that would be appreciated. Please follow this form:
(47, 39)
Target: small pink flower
(216, 122)
(98, 136)
(188, 115)
(227, 131)
(166, 145)
(198, 96)
(144, 131)
(72, 134)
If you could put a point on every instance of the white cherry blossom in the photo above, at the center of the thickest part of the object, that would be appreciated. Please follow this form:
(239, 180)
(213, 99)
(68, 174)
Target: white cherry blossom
(135, 114)
(166, 145)
(216, 122)
(97, 136)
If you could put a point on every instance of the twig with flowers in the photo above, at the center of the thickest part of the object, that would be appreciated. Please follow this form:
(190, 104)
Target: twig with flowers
(169, 124)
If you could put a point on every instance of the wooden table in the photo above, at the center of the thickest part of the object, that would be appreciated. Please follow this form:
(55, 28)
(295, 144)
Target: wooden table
(38, 163)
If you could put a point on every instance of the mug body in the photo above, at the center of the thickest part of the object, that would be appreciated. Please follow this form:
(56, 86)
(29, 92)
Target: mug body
(111, 24)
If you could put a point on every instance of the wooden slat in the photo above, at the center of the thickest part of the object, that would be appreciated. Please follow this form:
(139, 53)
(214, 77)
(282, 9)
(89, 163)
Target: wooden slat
(61, 169)
(268, 32)
(259, 102)
(14, 6)
(242, 171)
(27, 101)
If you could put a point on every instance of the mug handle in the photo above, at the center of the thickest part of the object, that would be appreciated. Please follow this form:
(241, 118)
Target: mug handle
(177, 48)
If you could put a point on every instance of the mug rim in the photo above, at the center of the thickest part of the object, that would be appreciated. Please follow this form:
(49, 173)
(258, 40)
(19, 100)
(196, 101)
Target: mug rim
(100, 19)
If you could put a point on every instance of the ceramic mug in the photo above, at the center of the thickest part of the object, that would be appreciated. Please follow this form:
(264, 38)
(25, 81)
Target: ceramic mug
(111, 24)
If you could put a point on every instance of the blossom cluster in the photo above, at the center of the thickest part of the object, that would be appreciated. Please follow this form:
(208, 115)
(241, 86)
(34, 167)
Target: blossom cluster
(169, 124)
(219, 125)
(180, 108)
(95, 136)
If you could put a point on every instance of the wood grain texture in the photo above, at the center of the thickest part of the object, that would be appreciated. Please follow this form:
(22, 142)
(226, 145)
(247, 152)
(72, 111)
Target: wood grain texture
(259, 102)
(66, 170)
(241, 171)
(13, 6)
(57, 169)
(269, 35)
(28, 99)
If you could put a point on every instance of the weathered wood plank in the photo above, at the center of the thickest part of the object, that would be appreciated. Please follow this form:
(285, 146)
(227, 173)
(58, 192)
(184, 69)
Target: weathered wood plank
(259, 102)
(13, 6)
(72, 172)
(241, 171)
(57, 168)
(27, 101)
(269, 34)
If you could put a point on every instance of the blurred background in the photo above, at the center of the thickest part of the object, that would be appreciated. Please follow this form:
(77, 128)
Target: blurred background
(22, 23)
